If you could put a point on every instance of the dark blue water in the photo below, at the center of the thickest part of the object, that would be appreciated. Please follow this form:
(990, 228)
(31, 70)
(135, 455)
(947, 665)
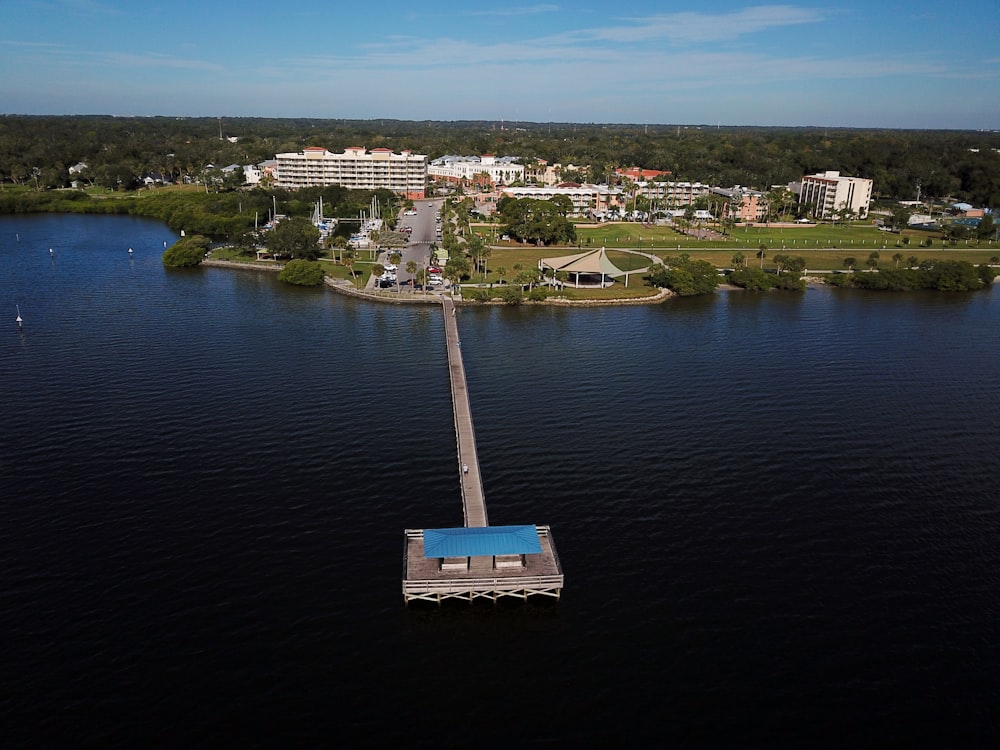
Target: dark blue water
(777, 515)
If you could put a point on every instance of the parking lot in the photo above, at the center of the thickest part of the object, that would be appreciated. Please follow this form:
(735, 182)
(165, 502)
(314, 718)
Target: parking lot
(422, 224)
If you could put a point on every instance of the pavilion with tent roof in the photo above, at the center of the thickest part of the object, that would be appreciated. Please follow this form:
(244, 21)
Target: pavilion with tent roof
(588, 265)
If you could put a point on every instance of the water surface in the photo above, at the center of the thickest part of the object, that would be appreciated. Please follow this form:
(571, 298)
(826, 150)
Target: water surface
(777, 514)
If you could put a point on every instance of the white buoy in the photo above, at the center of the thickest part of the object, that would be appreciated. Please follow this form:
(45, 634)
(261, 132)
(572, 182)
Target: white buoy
(130, 251)
(50, 251)
(20, 321)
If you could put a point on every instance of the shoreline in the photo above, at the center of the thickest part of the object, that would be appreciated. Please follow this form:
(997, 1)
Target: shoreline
(344, 287)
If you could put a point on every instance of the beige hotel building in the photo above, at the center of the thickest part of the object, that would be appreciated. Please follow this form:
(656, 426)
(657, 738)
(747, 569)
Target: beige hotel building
(356, 168)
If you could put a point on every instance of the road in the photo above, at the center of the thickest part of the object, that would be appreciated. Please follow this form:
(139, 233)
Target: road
(418, 249)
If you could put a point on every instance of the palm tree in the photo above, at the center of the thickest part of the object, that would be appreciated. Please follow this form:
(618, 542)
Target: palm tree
(912, 261)
(501, 272)
(872, 261)
(395, 258)
(340, 243)
(484, 253)
(411, 268)
(739, 260)
(348, 260)
(897, 258)
(527, 278)
(762, 253)
(850, 262)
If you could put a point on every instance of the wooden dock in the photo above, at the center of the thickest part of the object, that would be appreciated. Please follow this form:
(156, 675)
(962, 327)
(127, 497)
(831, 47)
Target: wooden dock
(431, 579)
(482, 574)
(473, 498)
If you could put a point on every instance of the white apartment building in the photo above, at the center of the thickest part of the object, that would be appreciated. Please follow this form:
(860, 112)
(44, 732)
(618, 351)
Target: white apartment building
(586, 199)
(252, 174)
(356, 168)
(485, 169)
(824, 193)
(669, 194)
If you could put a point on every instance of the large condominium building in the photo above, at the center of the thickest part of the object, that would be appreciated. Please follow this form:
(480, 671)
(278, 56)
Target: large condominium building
(587, 199)
(485, 169)
(742, 204)
(827, 192)
(356, 168)
(669, 194)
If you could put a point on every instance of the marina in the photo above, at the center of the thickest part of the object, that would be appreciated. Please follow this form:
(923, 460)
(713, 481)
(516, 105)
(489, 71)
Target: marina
(477, 560)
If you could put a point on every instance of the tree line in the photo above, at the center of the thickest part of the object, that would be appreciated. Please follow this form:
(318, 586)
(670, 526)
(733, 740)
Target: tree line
(38, 151)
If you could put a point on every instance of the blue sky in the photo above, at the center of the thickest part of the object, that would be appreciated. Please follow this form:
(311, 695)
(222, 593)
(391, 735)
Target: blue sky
(853, 63)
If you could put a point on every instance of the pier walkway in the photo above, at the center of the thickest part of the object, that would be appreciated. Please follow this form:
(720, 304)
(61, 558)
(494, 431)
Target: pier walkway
(473, 499)
(477, 560)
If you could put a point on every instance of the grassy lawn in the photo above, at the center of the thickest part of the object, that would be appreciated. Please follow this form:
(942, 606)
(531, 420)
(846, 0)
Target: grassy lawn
(826, 260)
(823, 246)
(852, 238)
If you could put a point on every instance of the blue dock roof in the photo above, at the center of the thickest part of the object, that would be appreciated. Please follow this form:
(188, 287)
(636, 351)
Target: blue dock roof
(481, 541)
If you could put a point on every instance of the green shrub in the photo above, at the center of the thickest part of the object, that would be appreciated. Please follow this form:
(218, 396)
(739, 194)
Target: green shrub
(186, 252)
(839, 280)
(538, 294)
(788, 283)
(684, 276)
(751, 279)
(472, 294)
(511, 295)
(302, 273)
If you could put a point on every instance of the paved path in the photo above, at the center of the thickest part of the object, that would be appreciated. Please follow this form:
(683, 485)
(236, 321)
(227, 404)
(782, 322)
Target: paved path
(473, 498)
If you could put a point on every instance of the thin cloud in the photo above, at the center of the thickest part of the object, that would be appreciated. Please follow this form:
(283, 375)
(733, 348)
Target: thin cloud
(155, 60)
(30, 45)
(516, 11)
(702, 27)
(91, 6)
(676, 28)
(75, 59)
(94, 7)
(581, 69)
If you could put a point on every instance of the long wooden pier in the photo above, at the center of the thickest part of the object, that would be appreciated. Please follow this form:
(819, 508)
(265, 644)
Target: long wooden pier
(473, 499)
(476, 561)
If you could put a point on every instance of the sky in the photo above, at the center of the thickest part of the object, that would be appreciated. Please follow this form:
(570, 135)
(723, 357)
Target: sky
(853, 63)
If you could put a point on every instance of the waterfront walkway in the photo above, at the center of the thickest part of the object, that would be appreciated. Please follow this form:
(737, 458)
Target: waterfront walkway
(478, 561)
(473, 498)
